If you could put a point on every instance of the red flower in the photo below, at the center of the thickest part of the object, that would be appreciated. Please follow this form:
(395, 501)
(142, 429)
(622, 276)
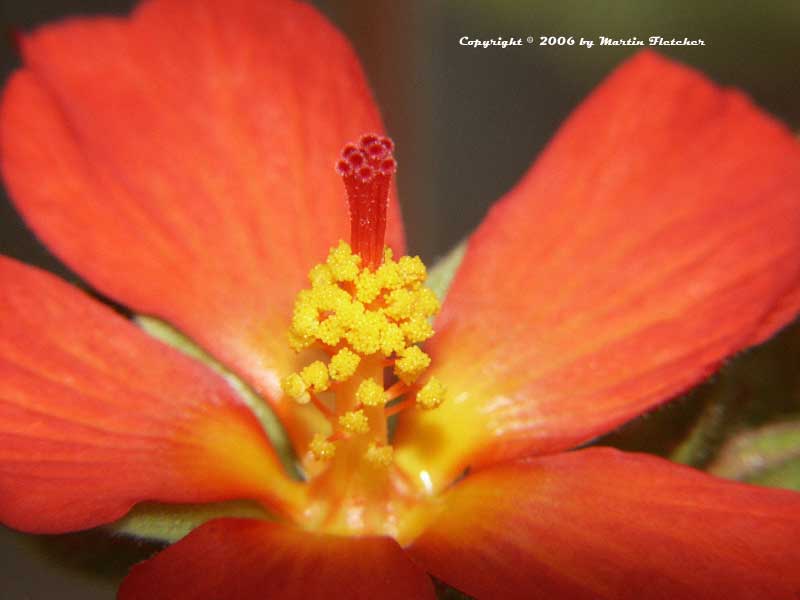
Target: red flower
(180, 161)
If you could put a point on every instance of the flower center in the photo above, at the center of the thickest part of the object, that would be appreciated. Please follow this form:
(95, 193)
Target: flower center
(367, 312)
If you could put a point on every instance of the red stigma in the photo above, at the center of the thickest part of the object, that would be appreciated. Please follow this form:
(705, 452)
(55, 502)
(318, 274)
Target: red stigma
(366, 169)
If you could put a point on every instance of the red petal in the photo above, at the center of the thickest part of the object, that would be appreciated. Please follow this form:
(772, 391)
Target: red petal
(182, 161)
(600, 523)
(250, 560)
(652, 239)
(785, 309)
(95, 416)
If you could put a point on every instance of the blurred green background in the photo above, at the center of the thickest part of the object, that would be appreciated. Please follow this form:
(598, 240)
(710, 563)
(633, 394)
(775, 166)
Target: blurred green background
(467, 122)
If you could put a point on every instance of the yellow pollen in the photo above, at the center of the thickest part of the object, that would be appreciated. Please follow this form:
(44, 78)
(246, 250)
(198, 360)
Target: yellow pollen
(432, 394)
(299, 342)
(354, 421)
(315, 376)
(393, 340)
(417, 329)
(389, 273)
(343, 364)
(379, 456)
(321, 448)
(371, 393)
(427, 304)
(401, 303)
(350, 312)
(411, 364)
(368, 286)
(305, 319)
(365, 332)
(328, 297)
(412, 270)
(320, 275)
(294, 387)
(344, 265)
(331, 330)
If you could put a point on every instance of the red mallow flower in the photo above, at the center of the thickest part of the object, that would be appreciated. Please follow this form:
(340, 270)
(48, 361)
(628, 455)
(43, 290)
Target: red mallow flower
(181, 161)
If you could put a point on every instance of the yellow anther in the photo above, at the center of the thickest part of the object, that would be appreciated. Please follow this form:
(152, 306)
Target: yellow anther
(417, 329)
(370, 393)
(294, 387)
(298, 342)
(432, 394)
(320, 275)
(344, 265)
(350, 313)
(354, 421)
(426, 303)
(305, 319)
(368, 286)
(379, 456)
(392, 339)
(365, 332)
(331, 330)
(411, 364)
(330, 298)
(401, 304)
(321, 448)
(412, 269)
(389, 275)
(315, 376)
(343, 364)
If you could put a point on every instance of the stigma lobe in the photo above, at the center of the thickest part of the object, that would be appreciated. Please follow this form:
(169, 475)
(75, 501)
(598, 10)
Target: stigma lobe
(366, 169)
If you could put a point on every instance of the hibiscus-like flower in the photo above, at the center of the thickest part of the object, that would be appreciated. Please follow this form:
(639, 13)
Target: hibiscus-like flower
(183, 161)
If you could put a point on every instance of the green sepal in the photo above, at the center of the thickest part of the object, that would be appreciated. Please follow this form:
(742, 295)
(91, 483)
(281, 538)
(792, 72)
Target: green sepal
(786, 476)
(769, 455)
(720, 408)
(170, 522)
(441, 275)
